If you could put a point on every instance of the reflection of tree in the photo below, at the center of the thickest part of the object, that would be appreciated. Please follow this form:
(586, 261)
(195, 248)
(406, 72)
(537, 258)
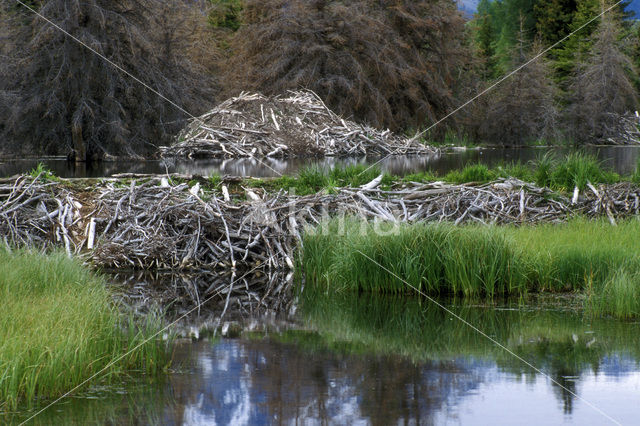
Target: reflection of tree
(561, 344)
(304, 383)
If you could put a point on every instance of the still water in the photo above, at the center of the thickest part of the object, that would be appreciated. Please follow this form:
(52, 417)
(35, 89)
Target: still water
(621, 159)
(363, 360)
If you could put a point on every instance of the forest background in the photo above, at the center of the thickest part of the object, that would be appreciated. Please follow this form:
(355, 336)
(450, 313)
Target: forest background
(398, 64)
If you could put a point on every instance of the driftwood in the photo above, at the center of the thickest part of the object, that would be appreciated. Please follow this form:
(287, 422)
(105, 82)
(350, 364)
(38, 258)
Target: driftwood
(625, 128)
(253, 125)
(156, 225)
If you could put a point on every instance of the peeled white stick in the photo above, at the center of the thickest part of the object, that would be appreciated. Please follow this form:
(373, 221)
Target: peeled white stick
(225, 193)
(92, 234)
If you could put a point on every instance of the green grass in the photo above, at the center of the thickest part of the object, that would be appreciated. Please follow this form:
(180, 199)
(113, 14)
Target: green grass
(577, 169)
(471, 173)
(635, 177)
(619, 296)
(557, 174)
(59, 326)
(313, 179)
(42, 172)
(435, 258)
(564, 174)
(478, 261)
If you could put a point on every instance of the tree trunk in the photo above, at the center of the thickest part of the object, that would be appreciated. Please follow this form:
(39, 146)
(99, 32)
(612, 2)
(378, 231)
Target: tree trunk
(79, 148)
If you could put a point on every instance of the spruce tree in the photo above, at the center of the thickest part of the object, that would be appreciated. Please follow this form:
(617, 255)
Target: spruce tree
(602, 87)
(522, 109)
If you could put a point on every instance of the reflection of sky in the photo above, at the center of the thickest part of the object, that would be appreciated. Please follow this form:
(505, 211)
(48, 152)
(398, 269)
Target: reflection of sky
(238, 383)
(504, 400)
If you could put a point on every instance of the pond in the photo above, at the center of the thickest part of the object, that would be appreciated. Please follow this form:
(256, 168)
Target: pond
(621, 159)
(386, 360)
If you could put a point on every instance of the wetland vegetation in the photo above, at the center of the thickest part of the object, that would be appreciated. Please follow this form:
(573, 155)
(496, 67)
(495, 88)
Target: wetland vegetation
(589, 257)
(59, 326)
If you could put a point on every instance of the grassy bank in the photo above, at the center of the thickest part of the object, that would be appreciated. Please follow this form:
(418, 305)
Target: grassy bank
(478, 261)
(59, 326)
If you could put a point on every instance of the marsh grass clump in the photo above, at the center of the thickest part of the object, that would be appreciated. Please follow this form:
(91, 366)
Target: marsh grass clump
(515, 170)
(543, 168)
(635, 177)
(619, 295)
(42, 172)
(478, 261)
(313, 179)
(59, 326)
(435, 258)
(577, 169)
(569, 256)
(479, 173)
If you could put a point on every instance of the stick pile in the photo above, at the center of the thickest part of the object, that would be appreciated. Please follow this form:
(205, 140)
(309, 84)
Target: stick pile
(299, 124)
(153, 225)
(251, 294)
(625, 127)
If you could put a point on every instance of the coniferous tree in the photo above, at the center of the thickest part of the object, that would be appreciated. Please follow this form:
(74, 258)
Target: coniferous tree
(485, 37)
(602, 86)
(64, 99)
(391, 63)
(522, 109)
(553, 19)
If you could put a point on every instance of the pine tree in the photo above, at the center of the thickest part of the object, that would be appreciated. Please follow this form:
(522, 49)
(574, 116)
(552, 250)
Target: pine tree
(485, 37)
(602, 87)
(58, 98)
(553, 19)
(522, 109)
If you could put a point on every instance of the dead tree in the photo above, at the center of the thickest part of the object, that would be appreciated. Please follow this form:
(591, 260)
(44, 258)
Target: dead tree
(389, 63)
(60, 98)
(602, 89)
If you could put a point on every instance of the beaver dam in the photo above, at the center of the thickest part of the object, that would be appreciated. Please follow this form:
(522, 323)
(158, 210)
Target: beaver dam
(191, 222)
(292, 125)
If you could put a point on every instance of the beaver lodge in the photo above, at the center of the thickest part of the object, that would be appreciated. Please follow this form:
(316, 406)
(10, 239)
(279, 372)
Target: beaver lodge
(296, 124)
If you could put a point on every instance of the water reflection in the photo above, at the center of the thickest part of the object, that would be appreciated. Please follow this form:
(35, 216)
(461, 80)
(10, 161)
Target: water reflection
(621, 159)
(391, 361)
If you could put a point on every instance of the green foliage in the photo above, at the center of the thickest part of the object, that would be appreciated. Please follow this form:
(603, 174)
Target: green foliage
(553, 19)
(59, 326)
(436, 258)
(313, 179)
(577, 169)
(422, 177)
(619, 296)
(515, 170)
(543, 169)
(572, 256)
(635, 177)
(473, 260)
(471, 173)
(226, 14)
(215, 180)
(42, 172)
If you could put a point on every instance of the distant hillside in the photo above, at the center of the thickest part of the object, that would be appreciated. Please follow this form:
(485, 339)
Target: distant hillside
(469, 7)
